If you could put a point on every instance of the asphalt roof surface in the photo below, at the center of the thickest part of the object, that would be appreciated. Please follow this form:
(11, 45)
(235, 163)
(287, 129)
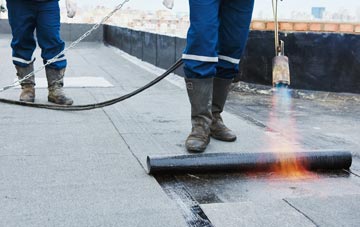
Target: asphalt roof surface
(89, 168)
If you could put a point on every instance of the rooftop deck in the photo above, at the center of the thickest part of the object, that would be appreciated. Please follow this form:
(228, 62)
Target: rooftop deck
(88, 168)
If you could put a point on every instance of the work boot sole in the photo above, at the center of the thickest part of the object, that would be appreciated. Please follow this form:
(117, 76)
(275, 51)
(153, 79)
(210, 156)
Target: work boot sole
(61, 102)
(223, 139)
(27, 100)
(197, 149)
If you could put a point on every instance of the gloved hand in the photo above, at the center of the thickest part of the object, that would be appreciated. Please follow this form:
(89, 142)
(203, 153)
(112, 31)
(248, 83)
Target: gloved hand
(2, 6)
(71, 8)
(168, 4)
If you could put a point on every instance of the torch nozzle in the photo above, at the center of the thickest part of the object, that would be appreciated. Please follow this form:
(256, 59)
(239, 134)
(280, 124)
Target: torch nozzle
(281, 70)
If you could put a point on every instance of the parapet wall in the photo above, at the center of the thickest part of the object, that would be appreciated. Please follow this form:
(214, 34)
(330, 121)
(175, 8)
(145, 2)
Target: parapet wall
(159, 50)
(318, 61)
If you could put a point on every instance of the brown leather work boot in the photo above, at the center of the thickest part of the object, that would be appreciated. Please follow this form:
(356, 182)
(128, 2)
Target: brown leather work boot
(28, 85)
(218, 129)
(27, 93)
(55, 80)
(200, 95)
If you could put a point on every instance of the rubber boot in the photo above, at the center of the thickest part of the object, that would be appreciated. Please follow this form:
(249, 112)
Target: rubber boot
(218, 129)
(28, 85)
(200, 96)
(55, 80)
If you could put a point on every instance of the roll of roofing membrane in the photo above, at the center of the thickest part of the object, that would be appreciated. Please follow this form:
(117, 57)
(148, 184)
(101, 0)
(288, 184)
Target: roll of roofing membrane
(245, 162)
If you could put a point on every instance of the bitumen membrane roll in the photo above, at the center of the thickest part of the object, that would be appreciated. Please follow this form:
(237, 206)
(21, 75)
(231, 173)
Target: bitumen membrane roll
(247, 162)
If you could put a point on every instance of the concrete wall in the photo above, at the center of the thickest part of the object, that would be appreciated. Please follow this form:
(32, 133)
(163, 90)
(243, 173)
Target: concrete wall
(71, 32)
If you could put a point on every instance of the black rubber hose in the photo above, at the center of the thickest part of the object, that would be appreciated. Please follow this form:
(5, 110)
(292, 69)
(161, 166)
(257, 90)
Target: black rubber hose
(172, 68)
(244, 162)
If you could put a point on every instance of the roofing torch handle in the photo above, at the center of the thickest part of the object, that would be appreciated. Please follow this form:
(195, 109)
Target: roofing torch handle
(278, 48)
(280, 66)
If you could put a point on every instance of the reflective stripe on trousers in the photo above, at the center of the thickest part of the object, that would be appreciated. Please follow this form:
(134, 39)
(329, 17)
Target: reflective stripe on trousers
(217, 37)
(27, 16)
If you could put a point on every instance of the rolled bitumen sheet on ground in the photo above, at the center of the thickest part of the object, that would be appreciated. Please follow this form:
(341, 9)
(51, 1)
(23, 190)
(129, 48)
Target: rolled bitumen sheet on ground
(243, 162)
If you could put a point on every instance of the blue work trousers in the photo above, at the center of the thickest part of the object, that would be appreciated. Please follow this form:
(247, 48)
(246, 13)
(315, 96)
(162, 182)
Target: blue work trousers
(217, 37)
(43, 16)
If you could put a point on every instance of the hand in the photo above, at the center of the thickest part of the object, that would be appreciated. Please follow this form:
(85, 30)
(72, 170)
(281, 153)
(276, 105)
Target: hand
(168, 4)
(71, 8)
(2, 6)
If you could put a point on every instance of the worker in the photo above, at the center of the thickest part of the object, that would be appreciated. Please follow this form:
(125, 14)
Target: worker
(26, 16)
(215, 42)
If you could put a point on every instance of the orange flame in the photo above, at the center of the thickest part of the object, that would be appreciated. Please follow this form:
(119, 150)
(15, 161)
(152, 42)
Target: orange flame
(281, 119)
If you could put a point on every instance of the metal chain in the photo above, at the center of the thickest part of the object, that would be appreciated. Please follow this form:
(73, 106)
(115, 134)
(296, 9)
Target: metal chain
(72, 45)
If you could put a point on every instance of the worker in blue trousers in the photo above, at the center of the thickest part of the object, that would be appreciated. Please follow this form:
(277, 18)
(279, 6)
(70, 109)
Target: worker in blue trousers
(215, 42)
(26, 16)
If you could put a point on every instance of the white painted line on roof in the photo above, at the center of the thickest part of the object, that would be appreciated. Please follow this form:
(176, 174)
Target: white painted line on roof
(77, 82)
